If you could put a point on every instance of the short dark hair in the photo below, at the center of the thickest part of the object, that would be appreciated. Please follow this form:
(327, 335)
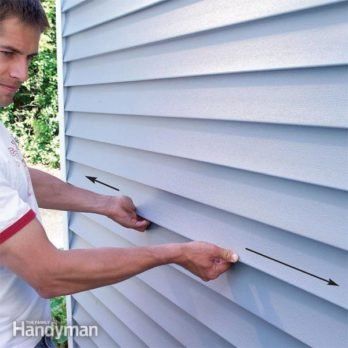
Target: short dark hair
(28, 11)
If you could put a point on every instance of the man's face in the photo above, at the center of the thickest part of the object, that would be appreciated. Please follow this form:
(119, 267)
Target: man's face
(19, 42)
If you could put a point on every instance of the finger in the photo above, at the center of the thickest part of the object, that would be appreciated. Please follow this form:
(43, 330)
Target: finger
(147, 222)
(228, 255)
(222, 267)
(142, 225)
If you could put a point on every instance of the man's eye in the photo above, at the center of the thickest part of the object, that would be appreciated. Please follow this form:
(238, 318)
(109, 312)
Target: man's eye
(7, 53)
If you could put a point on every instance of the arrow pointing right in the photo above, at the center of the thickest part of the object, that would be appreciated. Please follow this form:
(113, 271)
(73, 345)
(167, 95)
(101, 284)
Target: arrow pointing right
(329, 281)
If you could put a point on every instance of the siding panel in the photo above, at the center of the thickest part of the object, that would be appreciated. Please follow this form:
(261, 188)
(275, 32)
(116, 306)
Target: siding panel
(247, 21)
(227, 320)
(245, 286)
(70, 4)
(106, 321)
(300, 153)
(301, 97)
(84, 17)
(137, 321)
(225, 121)
(226, 229)
(268, 200)
(81, 317)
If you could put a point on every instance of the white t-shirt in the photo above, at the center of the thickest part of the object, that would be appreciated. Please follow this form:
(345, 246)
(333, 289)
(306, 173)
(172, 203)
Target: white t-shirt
(19, 302)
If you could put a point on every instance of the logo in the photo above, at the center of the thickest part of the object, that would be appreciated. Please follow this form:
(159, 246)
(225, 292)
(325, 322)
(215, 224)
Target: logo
(51, 329)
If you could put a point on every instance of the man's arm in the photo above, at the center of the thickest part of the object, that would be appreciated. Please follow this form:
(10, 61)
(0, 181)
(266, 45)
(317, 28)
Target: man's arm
(53, 193)
(55, 272)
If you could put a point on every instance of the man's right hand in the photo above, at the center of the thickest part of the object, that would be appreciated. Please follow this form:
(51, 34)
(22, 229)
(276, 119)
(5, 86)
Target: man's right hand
(205, 260)
(54, 272)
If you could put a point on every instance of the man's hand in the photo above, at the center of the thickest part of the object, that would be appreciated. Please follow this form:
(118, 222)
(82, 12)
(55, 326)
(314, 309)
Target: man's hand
(53, 193)
(206, 260)
(122, 210)
(55, 272)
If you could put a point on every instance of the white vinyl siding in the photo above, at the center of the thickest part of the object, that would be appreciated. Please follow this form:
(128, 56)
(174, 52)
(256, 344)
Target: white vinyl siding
(225, 121)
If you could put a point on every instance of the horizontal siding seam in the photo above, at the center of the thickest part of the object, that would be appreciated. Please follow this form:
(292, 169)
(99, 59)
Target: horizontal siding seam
(183, 309)
(331, 243)
(243, 261)
(191, 34)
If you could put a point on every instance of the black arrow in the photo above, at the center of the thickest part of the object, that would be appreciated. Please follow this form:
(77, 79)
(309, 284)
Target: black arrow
(94, 180)
(329, 282)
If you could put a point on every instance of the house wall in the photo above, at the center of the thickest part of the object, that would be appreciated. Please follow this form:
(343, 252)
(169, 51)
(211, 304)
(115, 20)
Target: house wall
(225, 121)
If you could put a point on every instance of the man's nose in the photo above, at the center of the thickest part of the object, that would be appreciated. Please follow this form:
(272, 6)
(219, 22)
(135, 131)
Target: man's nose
(19, 69)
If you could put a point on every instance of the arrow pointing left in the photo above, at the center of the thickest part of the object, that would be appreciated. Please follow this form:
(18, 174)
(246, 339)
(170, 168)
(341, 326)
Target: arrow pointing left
(94, 180)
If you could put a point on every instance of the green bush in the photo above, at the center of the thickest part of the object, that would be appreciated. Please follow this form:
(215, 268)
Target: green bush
(32, 118)
(58, 310)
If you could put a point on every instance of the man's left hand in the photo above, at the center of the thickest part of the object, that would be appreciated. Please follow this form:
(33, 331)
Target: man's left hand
(123, 211)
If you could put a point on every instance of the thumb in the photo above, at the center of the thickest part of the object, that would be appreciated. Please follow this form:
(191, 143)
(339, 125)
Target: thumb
(140, 222)
(228, 255)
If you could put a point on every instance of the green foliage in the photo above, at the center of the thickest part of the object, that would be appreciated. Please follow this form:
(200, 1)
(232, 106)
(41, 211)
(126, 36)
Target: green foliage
(58, 310)
(32, 118)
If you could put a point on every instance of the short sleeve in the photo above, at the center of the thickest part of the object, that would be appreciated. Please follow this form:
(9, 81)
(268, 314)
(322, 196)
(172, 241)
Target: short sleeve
(14, 212)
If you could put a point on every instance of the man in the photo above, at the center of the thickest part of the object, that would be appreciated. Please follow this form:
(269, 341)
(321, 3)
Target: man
(31, 268)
